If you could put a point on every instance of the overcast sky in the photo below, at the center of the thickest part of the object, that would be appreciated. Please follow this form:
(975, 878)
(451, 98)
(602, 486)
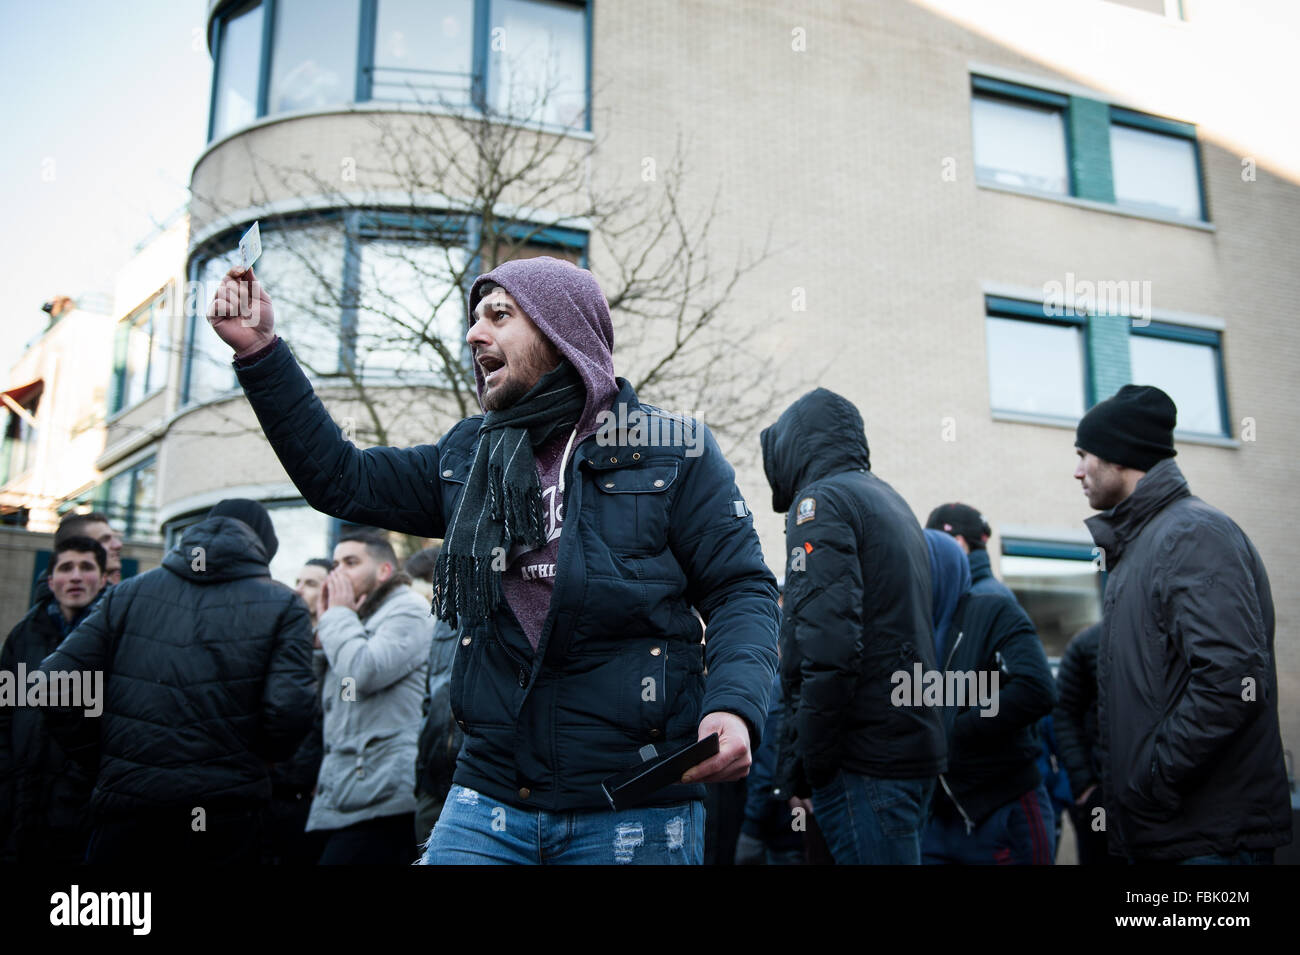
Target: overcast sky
(111, 101)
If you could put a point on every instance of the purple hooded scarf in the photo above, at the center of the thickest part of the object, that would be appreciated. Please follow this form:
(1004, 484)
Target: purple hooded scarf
(569, 308)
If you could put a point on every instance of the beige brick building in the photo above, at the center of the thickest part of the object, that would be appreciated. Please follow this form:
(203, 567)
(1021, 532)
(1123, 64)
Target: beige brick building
(937, 176)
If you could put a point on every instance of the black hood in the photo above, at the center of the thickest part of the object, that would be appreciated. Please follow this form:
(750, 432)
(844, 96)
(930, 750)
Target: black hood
(819, 435)
(230, 550)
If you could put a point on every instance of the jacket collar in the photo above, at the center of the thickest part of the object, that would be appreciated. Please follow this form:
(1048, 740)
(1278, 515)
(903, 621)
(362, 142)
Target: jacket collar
(980, 568)
(1115, 529)
(377, 597)
(628, 428)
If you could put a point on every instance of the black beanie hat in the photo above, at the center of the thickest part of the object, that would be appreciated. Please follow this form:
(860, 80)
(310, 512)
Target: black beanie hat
(254, 515)
(1134, 428)
(960, 519)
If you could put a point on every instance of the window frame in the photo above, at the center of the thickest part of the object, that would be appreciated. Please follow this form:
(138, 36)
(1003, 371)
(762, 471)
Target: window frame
(1119, 116)
(998, 306)
(363, 81)
(1188, 335)
(1017, 94)
(128, 520)
(156, 307)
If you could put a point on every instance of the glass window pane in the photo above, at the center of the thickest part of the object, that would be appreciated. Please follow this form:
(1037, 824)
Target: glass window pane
(144, 502)
(538, 61)
(239, 56)
(424, 51)
(1061, 596)
(301, 268)
(1155, 173)
(1035, 368)
(314, 60)
(1187, 372)
(1019, 145)
(408, 295)
(210, 370)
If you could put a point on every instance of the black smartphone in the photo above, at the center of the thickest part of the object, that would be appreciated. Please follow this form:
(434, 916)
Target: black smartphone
(633, 786)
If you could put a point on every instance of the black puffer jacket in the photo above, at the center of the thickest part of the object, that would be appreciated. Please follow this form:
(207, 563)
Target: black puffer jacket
(207, 665)
(44, 794)
(993, 758)
(1075, 716)
(1187, 680)
(857, 603)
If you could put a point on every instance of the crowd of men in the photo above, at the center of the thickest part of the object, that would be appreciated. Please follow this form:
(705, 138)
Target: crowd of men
(600, 599)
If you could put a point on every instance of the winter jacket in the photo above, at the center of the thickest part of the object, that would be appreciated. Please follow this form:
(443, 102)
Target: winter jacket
(440, 737)
(1187, 681)
(372, 690)
(993, 759)
(207, 677)
(44, 794)
(650, 531)
(981, 575)
(857, 603)
(1075, 716)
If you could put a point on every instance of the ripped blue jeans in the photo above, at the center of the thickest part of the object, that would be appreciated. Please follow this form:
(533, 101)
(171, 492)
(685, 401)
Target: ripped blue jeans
(474, 829)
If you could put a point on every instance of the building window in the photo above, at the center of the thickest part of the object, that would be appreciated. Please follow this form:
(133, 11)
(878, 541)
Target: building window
(1021, 142)
(130, 499)
(376, 294)
(424, 52)
(140, 353)
(238, 57)
(313, 54)
(524, 59)
(538, 68)
(19, 452)
(303, 533)
(1156, 165)
(1037, 364)
(1187, 364)
(1058, 584)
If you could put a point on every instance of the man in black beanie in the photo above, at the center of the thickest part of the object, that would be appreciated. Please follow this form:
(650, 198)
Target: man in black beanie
(1190, 747)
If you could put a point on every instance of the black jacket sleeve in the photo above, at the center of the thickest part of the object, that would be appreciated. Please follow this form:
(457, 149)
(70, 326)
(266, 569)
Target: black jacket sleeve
(88, 648)
(289, 693)
(8, 769)
(395, 488)
(1076, 685)
(1026, 692)
(824, 601)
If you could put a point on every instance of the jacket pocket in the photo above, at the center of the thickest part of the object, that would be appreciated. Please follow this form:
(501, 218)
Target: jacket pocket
(356, 780)
(632, 507)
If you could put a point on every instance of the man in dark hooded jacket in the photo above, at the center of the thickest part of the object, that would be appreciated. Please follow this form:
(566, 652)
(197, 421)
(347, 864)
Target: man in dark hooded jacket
(1191, 750)
(857, 611)
(207, 678)
(991, 807)
(580, 528)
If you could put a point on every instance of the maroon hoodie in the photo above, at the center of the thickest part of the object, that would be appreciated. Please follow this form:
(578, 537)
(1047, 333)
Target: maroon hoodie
(568, 307)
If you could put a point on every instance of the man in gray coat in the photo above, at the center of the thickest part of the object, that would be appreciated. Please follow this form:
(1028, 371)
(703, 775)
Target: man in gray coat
(1191, 750)
(375, 633)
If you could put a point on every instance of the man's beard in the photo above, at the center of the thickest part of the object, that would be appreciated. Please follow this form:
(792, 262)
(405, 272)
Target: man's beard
(523, 375)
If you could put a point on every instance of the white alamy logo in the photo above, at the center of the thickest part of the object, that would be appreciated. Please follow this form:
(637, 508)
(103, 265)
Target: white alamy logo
(102, 908)
(62, 689)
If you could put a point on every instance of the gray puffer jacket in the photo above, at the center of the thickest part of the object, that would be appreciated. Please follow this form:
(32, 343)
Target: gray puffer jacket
(1191, 752)
(372, 691)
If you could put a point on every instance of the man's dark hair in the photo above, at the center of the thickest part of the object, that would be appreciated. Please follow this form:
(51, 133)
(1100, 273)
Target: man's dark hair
(377, 544)
(324, 562)
(420, 565)
(74, 525)
(81, 545)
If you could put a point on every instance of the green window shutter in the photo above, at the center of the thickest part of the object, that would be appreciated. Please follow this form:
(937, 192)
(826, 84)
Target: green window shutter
(1108, 358)
(1089, 137)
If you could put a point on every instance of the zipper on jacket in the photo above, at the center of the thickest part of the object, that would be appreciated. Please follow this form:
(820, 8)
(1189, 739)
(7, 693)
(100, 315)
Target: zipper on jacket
(970, 826)
(523, 669)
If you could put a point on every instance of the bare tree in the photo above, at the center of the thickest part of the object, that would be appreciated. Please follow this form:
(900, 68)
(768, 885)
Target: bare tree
(446, 193)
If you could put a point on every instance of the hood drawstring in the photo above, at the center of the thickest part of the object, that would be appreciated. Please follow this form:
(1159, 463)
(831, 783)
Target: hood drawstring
(564, 460)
